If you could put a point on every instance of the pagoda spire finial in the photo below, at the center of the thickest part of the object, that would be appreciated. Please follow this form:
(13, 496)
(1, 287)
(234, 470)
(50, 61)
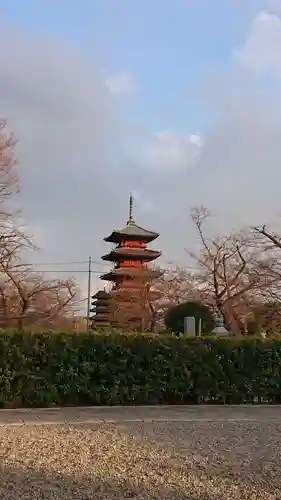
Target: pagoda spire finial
(131, 218)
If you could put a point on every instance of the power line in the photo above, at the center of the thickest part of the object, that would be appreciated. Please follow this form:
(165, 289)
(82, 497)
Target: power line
(57, 263)
(60, 263)
(34, 269)
(66, 271)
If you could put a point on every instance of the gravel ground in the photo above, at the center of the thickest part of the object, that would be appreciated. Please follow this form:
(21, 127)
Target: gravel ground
(195, 461)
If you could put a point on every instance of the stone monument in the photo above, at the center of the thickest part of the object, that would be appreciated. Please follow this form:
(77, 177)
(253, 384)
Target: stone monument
(219, 329)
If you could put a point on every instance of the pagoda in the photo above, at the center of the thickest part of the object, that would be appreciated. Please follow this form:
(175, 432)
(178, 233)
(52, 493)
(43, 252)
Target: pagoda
(100, 310)
(131, 276)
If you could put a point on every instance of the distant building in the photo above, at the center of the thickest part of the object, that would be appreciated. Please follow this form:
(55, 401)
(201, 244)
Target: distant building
(101, 309)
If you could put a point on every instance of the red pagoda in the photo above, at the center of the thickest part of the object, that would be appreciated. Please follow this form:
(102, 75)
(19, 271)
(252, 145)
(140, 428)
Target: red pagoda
(131, 277)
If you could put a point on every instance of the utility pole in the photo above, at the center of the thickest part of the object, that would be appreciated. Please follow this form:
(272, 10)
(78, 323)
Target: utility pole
(89, 292)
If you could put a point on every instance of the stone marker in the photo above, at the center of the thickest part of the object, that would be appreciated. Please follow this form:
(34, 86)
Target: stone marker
(189, 326)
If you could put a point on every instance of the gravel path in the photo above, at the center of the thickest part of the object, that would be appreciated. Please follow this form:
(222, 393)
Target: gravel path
(192, 460)
(117, 414)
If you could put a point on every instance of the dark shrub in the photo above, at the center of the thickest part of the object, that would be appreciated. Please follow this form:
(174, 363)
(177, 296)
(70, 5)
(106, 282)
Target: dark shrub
(174, 318)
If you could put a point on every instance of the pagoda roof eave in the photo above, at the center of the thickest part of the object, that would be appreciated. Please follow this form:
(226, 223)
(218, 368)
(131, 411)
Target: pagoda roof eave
(101, 295)
(124, 293)
(133, 272)
(103, 302)
(101, 321)
(131, 231)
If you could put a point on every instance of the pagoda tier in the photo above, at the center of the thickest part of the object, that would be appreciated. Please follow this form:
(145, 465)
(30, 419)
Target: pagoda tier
(139, 273)
(131, 275)
(128, 252)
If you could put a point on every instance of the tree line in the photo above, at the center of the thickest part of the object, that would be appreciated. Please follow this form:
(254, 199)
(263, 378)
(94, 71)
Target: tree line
(238, 274)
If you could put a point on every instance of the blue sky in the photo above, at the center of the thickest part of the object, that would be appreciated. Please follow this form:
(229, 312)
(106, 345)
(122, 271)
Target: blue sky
(167, 46)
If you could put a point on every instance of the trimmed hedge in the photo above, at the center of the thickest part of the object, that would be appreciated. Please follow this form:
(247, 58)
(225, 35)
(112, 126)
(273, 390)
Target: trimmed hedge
(113, 369)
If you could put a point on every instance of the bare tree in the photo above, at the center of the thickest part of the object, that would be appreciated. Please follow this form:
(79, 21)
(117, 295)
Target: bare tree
(268, 262)
(174, 286)
(177, 285)
(28, 294)
(267, 313)
(24, 295)
(225, 271)
(9, 181)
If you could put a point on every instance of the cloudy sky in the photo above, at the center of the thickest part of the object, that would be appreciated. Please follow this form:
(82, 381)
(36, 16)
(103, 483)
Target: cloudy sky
(179, 102)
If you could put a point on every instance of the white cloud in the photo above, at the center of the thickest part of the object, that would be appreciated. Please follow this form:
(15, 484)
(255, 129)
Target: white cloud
(196, 139)
(239, 161)
(70, 145)
(121, 84)
(237, 172)
(170, 150)
(261, 51)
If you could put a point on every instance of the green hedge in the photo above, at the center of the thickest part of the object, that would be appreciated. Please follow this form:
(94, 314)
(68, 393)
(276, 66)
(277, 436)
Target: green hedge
(92, 369)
